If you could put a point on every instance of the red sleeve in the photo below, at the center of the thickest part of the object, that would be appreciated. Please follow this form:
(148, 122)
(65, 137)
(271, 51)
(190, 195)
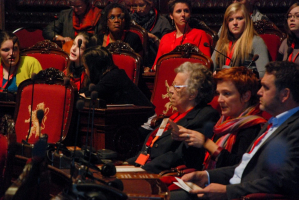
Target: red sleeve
(204, 38)
(160, 51)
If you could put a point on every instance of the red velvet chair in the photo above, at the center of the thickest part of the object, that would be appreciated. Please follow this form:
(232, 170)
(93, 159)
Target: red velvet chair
(29, 36)
(50, 95)
(49, 54)
(165, 74)
(125, 58)
(271, 35)
(142, 33)
(212, 35)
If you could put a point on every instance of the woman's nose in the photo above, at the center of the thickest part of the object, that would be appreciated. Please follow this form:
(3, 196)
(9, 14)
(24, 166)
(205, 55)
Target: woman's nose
(220, 98)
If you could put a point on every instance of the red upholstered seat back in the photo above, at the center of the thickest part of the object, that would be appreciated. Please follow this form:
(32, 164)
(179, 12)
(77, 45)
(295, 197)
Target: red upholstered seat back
(50, 98)
(271, 35)
(3, 156)
(165, 75)
(49, 55)
(29, 36)
(48, 60)
(273, 43)
(127, 63)
(125, 58)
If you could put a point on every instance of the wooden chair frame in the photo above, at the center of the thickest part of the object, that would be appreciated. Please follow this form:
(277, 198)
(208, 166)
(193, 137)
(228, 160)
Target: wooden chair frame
(181, 51)
(268, 27)
(49, 76)
(122, 48)
(136, 27)
(196, 23)
(46, 47)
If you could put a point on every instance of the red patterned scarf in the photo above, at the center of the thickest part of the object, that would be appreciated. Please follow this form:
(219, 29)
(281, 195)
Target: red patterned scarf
(89, 20)
(227, 130)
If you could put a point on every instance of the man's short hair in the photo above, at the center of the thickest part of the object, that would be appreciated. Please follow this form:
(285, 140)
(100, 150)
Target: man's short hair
(286, 76)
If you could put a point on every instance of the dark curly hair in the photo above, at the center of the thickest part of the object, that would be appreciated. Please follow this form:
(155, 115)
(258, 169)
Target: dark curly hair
(104, 17)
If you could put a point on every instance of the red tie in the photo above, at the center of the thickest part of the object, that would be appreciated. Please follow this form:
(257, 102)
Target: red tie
(260, 138)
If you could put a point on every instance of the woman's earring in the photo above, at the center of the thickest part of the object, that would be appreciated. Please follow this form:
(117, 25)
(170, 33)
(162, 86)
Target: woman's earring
(172, 22)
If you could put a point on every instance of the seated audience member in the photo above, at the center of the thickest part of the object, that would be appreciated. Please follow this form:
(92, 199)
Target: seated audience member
(239, 42)
(190, 92)
(180, 13)
(153, 22)
(271, 163)
(289, 48)
(112, 84)
(255, 14)
(240, 121)
(82, 16)
(129, 5)
(115, 23)
(15, 68)
(75, 69)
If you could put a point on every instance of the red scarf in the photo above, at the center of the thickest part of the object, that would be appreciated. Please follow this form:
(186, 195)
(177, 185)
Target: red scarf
(228, 129)
(175, 118)
(291, 55)
(89, 20)
(9, 78)
(230, 53)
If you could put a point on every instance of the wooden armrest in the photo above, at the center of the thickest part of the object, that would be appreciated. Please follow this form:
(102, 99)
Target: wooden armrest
(177, 171)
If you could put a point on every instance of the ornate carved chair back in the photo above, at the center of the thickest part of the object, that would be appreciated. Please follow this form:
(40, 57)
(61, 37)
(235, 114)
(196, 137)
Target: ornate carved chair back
(271, 35)
(29, 36)
(48, 93)
(165, 74)
(125, 58)
(142, 33)
(49, 54)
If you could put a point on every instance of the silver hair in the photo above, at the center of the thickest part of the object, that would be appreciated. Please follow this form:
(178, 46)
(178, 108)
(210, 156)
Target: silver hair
(200, 80)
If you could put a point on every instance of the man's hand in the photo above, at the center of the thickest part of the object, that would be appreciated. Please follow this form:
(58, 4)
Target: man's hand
(200, 178)
(214, 191)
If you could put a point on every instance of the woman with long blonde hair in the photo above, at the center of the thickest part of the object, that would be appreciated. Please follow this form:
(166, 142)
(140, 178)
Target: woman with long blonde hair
(239, 42)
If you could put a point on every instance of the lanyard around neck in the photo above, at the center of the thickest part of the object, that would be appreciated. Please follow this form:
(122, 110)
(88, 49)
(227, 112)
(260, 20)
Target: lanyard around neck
(230, 53)
(9, 78)
(291, 55)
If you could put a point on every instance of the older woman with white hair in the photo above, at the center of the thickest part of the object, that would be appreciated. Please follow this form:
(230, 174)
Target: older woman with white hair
(190, 92)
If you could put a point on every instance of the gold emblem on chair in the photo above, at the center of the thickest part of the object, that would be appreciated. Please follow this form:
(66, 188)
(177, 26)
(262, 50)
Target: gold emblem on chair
(168, 105)
(35, 125)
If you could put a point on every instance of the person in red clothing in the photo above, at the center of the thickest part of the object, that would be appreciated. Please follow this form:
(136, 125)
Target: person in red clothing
(75, 69)
(180, 13)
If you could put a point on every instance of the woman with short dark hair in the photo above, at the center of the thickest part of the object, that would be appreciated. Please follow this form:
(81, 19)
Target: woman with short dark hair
(180, 13)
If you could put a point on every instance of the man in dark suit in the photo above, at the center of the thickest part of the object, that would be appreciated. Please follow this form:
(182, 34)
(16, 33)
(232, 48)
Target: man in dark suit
(271, 164)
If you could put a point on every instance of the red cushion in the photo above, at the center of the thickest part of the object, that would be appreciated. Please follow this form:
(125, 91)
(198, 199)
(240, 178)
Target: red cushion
(3, 153)
(127, 63)
(50, 60)
(273, 43)
(164, 78)
(50, 98)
